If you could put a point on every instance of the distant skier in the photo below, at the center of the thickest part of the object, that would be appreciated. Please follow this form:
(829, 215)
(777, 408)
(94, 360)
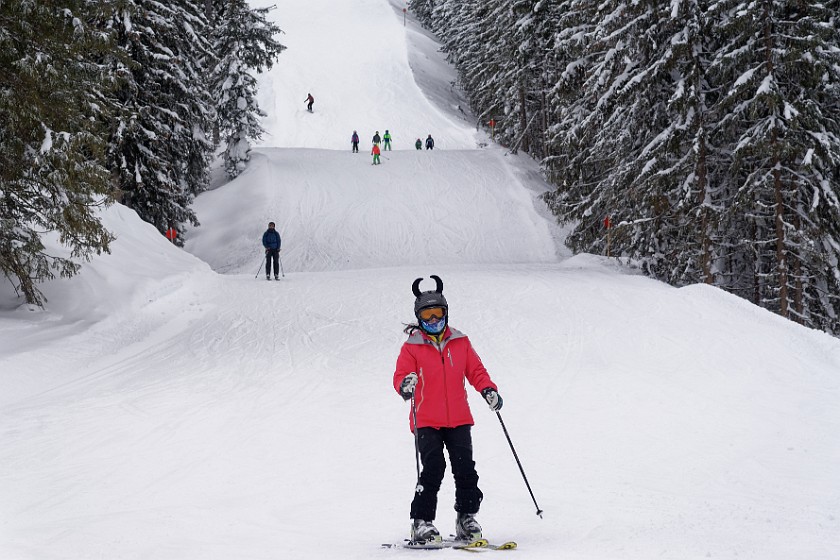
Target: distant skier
(419, 144)
(376, 139)
(355, 141)
(386, 144)
(430, 143)
(309, 101)
(375, 153)
(271, 242)
(432, 370)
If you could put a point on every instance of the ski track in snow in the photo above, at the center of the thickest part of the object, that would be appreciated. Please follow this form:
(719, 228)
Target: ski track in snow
(160, 409)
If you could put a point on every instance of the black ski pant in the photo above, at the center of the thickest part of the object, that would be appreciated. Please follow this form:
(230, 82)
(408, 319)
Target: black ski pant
(458, 442)
(272, 254)
(356, 147)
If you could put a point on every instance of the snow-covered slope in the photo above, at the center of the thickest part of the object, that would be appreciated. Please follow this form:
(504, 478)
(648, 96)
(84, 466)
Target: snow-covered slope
(161, 408)
(353, 58)
(335, 211)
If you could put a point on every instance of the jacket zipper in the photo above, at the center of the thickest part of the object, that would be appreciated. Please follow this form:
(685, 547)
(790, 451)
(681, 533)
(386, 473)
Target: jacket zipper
(445, 387)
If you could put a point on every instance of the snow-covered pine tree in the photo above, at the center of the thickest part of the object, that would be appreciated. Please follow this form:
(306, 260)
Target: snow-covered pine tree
(783, 64)
(573, 58)
(444, 17)
(502, 50)
(51, 105)
(696, 162)
(622, 109)
(678, 166)
(531, 71)
(423, 10)
(630, 141)
(706, 130)
(243, 41)
(473, 34)
(159, 149)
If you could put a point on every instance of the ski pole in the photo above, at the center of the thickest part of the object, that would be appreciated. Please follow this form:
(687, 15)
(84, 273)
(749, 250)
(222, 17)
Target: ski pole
(416, 437)
(258, 272)
(515, 456)
(281, 264)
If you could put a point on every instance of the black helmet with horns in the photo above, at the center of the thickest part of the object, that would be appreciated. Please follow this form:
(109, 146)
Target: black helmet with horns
(432, 298)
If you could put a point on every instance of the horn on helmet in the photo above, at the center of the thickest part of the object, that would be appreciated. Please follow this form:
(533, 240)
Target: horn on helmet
(415, 287)
(438, 282)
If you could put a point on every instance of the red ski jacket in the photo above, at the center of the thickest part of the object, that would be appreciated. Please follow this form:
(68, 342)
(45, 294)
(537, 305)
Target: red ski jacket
(441, 394)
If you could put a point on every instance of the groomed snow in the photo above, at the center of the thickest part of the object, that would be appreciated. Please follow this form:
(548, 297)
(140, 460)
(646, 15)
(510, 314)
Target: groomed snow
(168, 405)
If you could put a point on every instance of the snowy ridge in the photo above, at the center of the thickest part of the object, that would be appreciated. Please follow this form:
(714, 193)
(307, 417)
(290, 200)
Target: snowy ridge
(336, 211)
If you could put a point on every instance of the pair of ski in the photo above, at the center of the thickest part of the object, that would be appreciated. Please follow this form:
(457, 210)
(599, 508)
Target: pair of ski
(476, 545)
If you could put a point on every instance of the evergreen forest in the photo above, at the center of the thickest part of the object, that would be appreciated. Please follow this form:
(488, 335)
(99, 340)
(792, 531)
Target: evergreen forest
(118, 100)
(696, 139)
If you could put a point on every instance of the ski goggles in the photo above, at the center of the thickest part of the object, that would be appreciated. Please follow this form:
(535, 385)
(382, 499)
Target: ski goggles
(432, 313)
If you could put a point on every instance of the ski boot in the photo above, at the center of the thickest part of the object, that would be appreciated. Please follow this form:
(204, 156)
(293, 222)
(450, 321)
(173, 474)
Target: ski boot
(268, 277)
(424, 532)
(467, 528)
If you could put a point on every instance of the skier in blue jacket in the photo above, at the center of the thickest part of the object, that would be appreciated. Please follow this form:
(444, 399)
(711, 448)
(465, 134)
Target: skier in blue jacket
(271, 242)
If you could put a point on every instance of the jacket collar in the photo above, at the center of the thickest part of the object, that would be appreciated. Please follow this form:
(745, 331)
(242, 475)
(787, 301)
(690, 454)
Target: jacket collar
(420, 337)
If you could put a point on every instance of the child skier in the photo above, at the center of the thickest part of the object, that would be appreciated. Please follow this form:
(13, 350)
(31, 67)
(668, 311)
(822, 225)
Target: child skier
(354, 140)
(431, 371)
(386, 144)
(309, 101)
(375, 152)
(418, 145)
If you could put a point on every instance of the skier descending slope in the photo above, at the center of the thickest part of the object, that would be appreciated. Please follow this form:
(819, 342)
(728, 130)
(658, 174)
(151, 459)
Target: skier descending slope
(430, 372)
(271, 241)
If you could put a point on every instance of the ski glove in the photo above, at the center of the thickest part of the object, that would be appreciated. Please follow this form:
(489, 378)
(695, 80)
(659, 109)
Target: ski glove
(407, 385)
(493, 398)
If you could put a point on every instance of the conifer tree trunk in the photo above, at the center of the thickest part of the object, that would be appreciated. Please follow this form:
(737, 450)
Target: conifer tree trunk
(523, 119)
(781, 260)
(705, 242)
(756, 264)
(798, 288)
(210, 14)
(781, 257)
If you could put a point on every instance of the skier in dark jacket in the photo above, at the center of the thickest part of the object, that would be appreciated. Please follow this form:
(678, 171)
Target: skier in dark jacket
(433, 368)
(430, 143)
(376, 138)
(271, 242)
(354, 140)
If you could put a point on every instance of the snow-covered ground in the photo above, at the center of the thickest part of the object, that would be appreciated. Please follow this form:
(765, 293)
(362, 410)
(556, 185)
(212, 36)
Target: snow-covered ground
(168, 405)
